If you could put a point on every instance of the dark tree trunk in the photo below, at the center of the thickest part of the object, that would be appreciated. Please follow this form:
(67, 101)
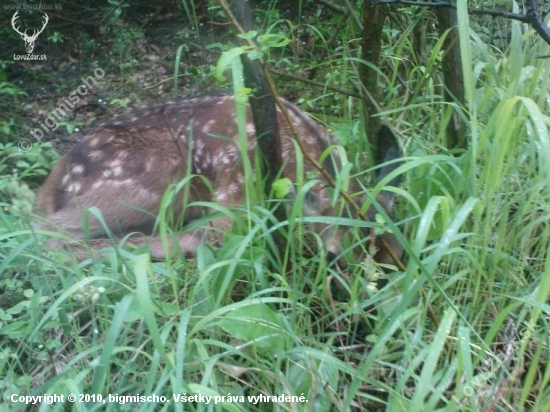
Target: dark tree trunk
(371, 43)
(419, 37)
(452, 74)
(261, 102)
(264, 115)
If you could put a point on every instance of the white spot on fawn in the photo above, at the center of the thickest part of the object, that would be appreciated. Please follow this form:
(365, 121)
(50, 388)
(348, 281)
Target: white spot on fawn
(116, 162)
(65, 180)
(97, 184)
(208, 126)
(75, 188)
(117, 170)
(78, 169)
(235, 187)
(221, 197)
(95, 155)
(200, 147)
(125, 182)
(143, 192)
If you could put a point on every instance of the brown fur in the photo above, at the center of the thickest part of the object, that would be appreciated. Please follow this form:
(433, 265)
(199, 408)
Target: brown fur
(125, 166)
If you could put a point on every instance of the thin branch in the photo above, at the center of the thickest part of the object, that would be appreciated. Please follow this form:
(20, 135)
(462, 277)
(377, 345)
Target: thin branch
(349, 8)
(315, 83)
(331, 6)
(532, 16)
(537, 22)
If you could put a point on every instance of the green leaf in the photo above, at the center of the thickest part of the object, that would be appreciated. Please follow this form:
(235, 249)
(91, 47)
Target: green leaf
(226, 60)
(273, 40)
(255, 323)
(255, 55)
(249, 35)
(281, 187)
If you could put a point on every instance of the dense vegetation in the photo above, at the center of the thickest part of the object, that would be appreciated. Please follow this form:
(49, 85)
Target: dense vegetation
(465, 325)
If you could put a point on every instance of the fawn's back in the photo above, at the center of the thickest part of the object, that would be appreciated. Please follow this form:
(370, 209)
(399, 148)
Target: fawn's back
(125, 166)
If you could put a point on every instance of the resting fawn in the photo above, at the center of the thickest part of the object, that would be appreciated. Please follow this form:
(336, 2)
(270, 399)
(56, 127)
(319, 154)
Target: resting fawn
(125, 166)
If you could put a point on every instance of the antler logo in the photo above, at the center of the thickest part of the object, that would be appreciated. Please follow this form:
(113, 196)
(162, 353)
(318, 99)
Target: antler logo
(29, 40)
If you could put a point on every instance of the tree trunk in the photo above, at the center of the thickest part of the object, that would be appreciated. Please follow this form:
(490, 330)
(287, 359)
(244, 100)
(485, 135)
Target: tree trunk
(371, 43)
(264, 115)
(452, 75)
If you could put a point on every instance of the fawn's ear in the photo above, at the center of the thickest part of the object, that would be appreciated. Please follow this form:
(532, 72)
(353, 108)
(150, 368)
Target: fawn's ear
(387, 150)
(386, 154)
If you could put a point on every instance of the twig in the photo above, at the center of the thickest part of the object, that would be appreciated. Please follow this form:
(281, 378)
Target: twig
(531, 17)
(334, 7)
(353, 14)
(315, 83)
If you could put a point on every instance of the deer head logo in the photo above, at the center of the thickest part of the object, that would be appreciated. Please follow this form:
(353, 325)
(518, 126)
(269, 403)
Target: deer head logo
(29, 40)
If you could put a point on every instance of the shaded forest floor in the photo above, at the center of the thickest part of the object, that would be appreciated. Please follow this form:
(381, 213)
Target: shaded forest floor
(137, 49)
